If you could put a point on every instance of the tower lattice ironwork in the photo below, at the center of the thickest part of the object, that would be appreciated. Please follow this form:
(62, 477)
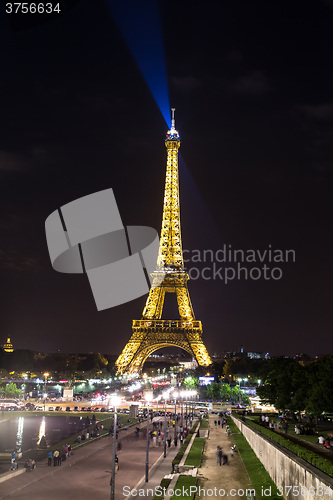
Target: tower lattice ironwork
(151, 332)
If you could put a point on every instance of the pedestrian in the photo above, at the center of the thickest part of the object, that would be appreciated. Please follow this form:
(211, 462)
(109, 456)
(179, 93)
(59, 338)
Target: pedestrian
(116, 461)
(220, 456)
(49, 458)
(219, 423)
(225, 459)
(69, 450)
(232, 451)
(169, 442)
(175, 441)
(217, 454)
(181, 439)
(55, 457)
(14, 465)
(215, 423)
(285, 426)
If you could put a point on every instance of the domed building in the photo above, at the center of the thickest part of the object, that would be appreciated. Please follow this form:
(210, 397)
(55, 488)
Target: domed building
(8, 346)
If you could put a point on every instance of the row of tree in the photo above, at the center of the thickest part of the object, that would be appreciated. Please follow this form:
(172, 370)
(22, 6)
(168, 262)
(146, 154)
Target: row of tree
(218, 391)
(290, 386)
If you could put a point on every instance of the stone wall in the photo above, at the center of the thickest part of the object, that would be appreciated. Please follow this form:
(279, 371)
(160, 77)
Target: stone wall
(286, 469)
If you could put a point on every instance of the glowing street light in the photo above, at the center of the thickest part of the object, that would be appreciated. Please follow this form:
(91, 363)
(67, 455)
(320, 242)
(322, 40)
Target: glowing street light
(45, 393)
(115, 400)
(166, 395)
(148, 398)
(175, 394)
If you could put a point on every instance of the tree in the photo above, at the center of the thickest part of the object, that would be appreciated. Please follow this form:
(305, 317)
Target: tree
(11, 391)
(285, 385)
(225, 392)
(320, 387)
(213, 391)
(191, 382)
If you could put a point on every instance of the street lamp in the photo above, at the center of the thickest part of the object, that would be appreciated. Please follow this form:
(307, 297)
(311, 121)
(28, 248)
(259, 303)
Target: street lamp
(148, 398)
(45, 393)
(115, 400)
(194, 394)
(185, 393)
(175, 396)
(166, 395)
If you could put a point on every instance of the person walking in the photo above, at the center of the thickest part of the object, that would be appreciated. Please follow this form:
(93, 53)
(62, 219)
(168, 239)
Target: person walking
(49, 458)
(169, 442)
(175, 441)
(220, 456)
(116, 461)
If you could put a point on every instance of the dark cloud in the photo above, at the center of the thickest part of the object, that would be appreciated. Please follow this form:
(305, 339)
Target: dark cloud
(255, 83)
(186, 83)
(322, 111)
(14, 261)
(11, 162)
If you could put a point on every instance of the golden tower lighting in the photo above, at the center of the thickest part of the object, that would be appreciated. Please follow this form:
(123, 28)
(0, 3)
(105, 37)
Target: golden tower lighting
(151, 332)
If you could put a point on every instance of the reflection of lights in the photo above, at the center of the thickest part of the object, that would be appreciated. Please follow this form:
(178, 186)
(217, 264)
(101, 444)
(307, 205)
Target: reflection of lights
(19, 435)
(41, 430)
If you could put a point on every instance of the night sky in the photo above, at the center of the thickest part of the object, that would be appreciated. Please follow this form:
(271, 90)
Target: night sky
(252, 84)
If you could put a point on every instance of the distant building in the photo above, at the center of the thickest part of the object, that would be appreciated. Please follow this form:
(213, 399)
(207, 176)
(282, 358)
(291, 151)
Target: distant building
(241, 354)
(8, 346)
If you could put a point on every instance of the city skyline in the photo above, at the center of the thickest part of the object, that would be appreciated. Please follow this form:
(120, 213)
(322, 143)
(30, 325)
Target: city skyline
(254, 110)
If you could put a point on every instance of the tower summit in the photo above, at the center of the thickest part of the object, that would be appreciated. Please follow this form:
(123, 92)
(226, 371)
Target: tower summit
(151, 332)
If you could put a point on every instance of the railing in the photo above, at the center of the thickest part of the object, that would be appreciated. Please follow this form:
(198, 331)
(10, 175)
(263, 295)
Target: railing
(166, 323)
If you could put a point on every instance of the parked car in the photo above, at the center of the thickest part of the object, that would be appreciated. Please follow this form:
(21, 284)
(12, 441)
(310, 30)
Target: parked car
(58, 408)
(51, 408)
(68, 408)
(76, 408)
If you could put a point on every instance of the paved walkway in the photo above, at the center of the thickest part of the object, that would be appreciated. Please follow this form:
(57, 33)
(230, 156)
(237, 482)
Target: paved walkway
(227, 477)
(86, 474)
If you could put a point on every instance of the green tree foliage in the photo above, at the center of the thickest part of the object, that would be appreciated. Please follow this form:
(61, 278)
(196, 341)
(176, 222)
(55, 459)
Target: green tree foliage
(213, 391)
(11, 391)
(191, 382)
(291, 386)
(320, 386)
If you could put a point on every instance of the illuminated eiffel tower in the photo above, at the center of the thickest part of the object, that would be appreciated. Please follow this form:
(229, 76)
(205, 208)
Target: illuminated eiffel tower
(151, 332)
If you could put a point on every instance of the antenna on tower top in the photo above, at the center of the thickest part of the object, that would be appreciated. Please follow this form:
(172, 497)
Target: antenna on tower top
(173, 121)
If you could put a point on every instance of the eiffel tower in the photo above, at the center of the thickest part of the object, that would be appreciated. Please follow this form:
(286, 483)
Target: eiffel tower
(151, 332)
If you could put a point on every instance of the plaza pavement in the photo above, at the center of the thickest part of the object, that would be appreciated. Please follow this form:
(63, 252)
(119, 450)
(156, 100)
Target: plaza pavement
(86, 474)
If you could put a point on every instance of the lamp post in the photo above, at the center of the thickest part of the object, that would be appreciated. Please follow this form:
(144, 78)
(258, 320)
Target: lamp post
(166, 394)
(45, 394)
(181, 410)
(115, 402)
(175, 396)
(185, 393)
(148, 398)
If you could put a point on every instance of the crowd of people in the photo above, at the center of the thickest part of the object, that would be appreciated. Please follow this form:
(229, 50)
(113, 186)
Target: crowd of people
(57, 457)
